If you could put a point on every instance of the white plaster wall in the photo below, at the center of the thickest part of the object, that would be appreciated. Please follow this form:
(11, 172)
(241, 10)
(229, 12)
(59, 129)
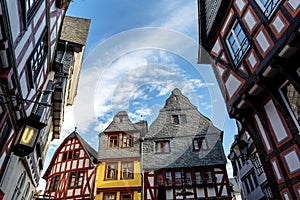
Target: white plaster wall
(12, 6)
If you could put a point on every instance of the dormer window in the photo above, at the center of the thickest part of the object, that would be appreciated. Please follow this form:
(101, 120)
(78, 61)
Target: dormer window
(162, 146)
(237, 43)
(127, 141)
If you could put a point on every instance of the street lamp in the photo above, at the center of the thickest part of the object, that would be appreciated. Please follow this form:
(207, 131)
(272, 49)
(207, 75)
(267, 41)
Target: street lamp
(28, 135)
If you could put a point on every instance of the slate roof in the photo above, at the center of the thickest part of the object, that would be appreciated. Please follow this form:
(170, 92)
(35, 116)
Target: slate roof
(212, 14)
(75, 30)
(121, 123)
(181, 137)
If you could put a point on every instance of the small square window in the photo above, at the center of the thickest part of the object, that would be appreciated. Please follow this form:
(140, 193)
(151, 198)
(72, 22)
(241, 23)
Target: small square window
(175, 119)
(162, 146)
(183, 119)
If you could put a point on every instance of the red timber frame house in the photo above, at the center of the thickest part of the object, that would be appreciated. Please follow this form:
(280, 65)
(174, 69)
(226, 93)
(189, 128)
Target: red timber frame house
(71, 172)
(254, 49)
(182, 155)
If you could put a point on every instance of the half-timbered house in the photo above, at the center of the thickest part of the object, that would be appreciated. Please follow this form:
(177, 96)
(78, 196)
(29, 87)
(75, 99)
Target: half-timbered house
(183, 157)
(254, 49)
(119, 170)
(71, 172)
(33, 93)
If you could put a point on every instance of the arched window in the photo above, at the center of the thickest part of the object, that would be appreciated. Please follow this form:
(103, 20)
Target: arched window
(19, 186)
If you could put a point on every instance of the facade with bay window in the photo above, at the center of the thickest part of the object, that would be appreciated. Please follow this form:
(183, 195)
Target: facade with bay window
(254, 49)
(119, 169)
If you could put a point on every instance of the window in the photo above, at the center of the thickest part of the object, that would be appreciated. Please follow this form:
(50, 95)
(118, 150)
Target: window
(178, 180)
(188, 178)
(169, 179)
(127, 141)
(162, 146)
(198, 178)
(291, 98)
(175, 119)
(250, 182)
(237, 43)
(26, 191)
(64, 158)
(127, 170)
(110, 196)
(200, 143)
(38, 56)
(113, 141)
(31, 7)
(70, 155)
(183, 119)
(55, 183)
(76, 179)
(76, 154)
(267, 6)
(126, 196)
(267, 191)
(208, 177)
(257, 165)
(19, 186)
(111, 170)
(159, 179)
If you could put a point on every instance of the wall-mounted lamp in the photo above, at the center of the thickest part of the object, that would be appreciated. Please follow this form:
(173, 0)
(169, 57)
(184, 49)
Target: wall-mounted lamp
(28, 135)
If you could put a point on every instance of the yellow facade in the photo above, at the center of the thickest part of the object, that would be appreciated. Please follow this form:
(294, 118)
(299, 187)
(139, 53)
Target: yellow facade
(118, 185)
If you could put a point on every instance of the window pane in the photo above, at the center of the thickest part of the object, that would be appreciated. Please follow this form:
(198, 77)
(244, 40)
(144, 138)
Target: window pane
(111, 171)
(127, 170)
(158, 147)
(175, 119)
(159, 178)
(188, 178)
(183, 119)
(80, 179)
(292, 99)
(166, 146)
(178, 178)
(198, 178)
(113, 141)
(72, 179)
(76, 154)
(169, 178)
(127, 141)
(208, 177)
(196, 145)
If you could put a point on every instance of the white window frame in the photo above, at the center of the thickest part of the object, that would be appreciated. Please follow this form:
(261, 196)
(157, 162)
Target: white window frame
(264, 9)
(239, 43)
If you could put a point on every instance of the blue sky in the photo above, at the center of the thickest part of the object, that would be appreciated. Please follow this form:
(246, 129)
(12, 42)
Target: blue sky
(137, 52)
